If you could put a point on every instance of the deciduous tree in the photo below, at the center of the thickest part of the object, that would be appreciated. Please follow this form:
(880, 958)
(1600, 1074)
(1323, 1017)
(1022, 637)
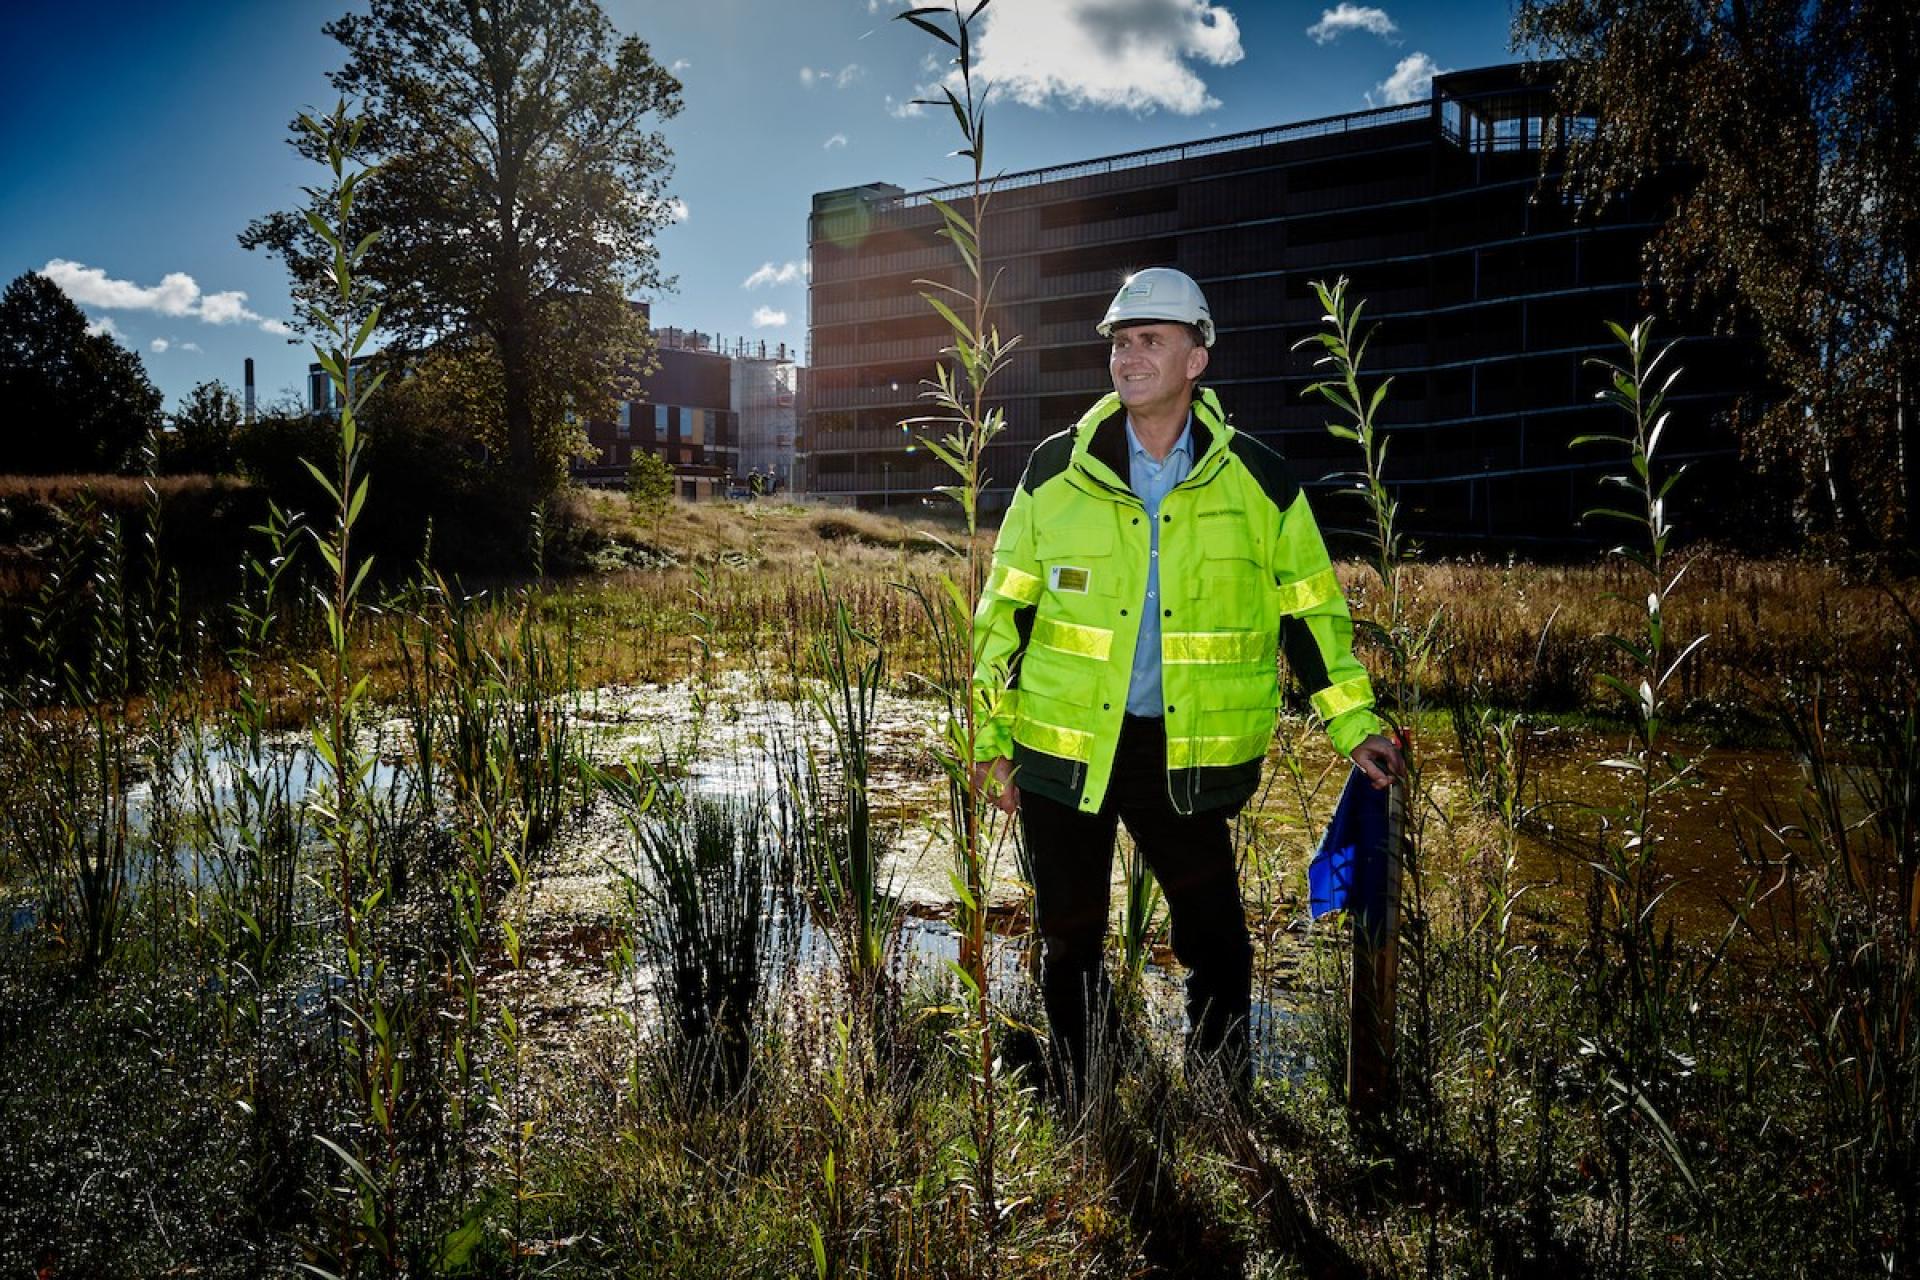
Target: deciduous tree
(203, 430)
(521, 180)
(74, 401)
(650, 488)
(1794, 131)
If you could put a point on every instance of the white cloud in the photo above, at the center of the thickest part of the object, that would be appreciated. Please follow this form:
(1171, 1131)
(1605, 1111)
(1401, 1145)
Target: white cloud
(679, 66)
(104, 325)
(177, 294)
(810, 76)
(190, 346)
(1411, 81)
(768, 318)
(677, 209)
(1344, 17)
(225, 308)
(1127, 54)
(767, 273)
(276, 327)
(837, 140)
(904, 108)
(159, 345)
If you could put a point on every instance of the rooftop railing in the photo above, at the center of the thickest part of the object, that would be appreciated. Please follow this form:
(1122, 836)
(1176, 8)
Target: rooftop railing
(1350, 122)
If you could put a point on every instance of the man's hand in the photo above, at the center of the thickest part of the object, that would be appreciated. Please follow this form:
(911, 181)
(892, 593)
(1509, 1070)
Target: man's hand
(996, 777)
(1380, 759)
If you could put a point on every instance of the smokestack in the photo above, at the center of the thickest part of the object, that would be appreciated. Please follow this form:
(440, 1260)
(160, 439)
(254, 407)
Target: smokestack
(250, 400)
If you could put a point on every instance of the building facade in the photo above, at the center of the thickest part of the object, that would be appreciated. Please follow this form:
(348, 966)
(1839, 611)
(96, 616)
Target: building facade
(1489, 290)
(712, 413)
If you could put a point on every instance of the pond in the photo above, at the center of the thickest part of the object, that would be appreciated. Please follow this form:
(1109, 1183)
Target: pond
(731, 737)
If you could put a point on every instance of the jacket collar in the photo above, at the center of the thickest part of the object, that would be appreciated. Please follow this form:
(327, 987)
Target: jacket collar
(1100, 440)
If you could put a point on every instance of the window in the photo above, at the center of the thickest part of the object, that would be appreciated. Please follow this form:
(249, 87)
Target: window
(623, 426)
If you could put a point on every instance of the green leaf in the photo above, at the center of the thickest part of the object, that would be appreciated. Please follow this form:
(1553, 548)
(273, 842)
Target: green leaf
(959, 112)
(913, 16)
(359, 1170)
(456, 1249)
(959, 326)
(1685, 653)
(1379, 395)
(1338, 399)
(1614, 514)
(324, 482)
(360, 338)
(321, 229)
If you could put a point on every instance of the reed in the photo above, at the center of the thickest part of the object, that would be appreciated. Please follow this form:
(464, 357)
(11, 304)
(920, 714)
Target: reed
(1637, 977)
(959, 396)
(1406, 638)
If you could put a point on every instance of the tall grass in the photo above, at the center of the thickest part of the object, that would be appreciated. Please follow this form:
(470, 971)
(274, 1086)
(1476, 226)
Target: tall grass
(848, 877)
(1846, 929)
(703, 893)
(97, 712)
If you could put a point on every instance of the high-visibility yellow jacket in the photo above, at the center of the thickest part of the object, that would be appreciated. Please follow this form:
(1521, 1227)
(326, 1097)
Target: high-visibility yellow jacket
(1243, 569)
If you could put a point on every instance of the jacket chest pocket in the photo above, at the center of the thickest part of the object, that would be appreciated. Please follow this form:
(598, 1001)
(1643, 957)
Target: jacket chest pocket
(1076, 562)
(1227, 566)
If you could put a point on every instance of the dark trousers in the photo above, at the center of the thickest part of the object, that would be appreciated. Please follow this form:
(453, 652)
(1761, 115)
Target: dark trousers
(1190, 855)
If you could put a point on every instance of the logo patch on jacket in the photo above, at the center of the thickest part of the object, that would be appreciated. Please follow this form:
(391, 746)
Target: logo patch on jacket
(1065, 577)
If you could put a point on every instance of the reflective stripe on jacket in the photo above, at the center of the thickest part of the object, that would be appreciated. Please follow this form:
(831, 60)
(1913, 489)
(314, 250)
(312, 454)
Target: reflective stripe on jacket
(1243, 570)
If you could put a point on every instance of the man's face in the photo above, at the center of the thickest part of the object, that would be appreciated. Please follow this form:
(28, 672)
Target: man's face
(1154, 367)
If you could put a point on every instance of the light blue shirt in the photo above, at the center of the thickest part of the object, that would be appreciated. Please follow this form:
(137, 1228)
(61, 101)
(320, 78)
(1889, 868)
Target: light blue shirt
(1151, 482)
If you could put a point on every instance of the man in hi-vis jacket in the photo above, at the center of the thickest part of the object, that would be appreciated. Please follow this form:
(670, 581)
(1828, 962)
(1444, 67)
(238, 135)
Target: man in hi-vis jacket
(1151, 564)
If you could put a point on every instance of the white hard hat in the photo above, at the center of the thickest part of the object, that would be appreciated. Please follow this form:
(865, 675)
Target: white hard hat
(1159, 294)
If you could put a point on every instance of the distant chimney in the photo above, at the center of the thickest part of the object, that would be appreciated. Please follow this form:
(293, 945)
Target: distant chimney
(250, 400)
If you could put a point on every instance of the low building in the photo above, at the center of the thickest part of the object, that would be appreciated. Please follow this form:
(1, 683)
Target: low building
(714, 413)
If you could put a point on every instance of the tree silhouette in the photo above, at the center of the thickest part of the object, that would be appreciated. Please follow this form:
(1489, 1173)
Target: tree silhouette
(75, 401)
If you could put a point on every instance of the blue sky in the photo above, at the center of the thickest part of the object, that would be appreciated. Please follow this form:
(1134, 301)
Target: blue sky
(136, 140)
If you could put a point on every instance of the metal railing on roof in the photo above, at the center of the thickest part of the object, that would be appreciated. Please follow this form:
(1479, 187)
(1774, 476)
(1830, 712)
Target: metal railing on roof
(1374, 118)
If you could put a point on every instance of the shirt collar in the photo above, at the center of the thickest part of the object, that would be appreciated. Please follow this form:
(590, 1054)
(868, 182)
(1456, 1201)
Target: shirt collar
(1184, 445)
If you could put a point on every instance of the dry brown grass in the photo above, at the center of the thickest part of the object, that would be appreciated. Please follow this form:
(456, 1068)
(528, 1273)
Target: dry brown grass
(110, 491)
(1531, 634)
(763, 532)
